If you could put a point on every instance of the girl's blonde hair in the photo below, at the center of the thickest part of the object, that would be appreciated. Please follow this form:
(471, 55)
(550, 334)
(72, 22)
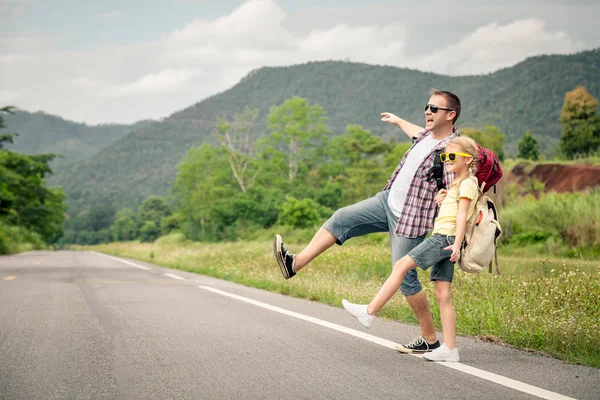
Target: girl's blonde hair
(466, 145)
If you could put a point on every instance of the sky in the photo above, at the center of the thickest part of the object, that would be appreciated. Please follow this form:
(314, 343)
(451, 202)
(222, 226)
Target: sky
(121, 61)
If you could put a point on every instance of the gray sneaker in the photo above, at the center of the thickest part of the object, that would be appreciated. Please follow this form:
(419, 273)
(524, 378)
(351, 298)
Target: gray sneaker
(418, 346)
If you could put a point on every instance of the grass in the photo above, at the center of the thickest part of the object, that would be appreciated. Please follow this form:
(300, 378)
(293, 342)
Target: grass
(565, 223)
(545, 304)
(529, 165)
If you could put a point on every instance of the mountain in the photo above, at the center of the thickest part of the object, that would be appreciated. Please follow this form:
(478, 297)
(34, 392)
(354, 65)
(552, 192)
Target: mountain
(527, 96)
(44, 133)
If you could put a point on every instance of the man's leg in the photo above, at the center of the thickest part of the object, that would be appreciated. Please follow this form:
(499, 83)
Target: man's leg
(415, 296)
(420, 306)
(367, 216)
(322, 240)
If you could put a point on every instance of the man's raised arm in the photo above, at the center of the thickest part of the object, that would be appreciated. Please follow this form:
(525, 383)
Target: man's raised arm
(410, 129)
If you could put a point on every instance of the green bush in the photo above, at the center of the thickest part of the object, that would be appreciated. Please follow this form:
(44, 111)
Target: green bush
(299, 213)
(172, 238)
(573, 218)
(170, 223)
(16, 239)
(525, 238)
(149, 232)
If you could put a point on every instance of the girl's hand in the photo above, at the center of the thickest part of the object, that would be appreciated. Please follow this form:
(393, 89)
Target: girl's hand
(439, 198)
(455, 252)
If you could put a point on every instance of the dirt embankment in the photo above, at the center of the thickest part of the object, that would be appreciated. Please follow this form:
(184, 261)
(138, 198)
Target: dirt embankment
(558, 177)
(521, 180)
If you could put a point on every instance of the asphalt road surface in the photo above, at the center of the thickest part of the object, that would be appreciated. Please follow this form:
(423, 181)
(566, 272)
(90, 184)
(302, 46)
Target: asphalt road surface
(81, 325)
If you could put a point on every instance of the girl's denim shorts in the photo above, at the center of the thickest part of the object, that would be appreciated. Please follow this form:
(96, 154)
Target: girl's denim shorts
(431, 253)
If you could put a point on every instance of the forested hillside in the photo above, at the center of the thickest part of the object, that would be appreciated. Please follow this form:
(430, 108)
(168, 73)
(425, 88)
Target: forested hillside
(44, 133)
(528, 96)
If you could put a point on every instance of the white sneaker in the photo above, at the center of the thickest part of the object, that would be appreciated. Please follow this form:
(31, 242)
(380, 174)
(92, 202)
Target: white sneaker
(360, 312)
(443, 353)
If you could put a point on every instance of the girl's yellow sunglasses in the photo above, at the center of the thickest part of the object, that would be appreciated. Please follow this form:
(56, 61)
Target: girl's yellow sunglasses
(452, 156)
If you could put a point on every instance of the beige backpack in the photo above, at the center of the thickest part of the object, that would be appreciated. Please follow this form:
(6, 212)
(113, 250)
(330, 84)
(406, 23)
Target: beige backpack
(481, 236)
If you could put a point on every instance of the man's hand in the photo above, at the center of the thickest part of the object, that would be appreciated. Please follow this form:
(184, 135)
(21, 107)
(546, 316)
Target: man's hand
(391, 118)
(455, 252)
(410, 129)
(439, 198)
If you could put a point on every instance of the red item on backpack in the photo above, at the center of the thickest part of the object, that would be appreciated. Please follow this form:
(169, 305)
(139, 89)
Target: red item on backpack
(488, 168)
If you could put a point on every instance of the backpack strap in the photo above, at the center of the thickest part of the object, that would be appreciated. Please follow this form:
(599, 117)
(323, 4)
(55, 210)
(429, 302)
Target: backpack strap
(492, 207)
(495, 261)
(437, 170)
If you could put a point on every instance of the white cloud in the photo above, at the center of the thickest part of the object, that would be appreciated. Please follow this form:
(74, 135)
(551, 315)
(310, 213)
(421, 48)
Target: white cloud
(257, 24)
(83, 82)
(126, 83)
(164, 81)
(494, 46)
(369, 44)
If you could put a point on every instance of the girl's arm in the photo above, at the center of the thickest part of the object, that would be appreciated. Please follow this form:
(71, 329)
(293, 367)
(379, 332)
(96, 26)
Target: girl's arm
(461, 226)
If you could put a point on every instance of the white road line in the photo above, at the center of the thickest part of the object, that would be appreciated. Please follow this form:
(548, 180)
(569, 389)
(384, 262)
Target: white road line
(121, 260)
(175, 276)
(499, 379)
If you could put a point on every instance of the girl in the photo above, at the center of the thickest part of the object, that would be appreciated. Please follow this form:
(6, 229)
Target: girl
(441, 250)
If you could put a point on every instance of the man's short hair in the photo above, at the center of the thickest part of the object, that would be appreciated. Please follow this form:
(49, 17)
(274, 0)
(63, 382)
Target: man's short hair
(452, 101)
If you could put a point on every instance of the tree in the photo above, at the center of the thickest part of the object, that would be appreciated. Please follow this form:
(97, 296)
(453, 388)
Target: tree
(490, 138)
(101, 216)
(153, 209)
(86, 237)
(5, 137)
(124, 228)
(357, 161)
(125, 212)
(580, 124)
(149, 232)
(297, 128)
(24, 199)
(392, 159)
(528, 148)
(203, 179)
(170, 223)
(236, 137)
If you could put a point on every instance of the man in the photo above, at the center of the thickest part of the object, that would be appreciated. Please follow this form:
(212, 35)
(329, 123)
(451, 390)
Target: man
(405, 208)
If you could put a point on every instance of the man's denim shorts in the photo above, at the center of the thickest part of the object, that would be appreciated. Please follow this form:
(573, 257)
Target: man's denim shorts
(431, 253)
(374, 215)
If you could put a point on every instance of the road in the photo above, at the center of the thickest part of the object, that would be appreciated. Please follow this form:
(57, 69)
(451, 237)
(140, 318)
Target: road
(82, 325)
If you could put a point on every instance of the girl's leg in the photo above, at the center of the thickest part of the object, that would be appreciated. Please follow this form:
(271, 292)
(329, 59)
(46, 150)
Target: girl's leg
(447, 314)
(392, 284)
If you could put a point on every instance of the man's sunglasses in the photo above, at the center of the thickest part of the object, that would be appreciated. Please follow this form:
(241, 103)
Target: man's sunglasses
(452, 156)
(435, 109)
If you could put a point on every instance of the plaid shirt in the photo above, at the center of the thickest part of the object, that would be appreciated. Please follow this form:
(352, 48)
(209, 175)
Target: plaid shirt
(419, 209)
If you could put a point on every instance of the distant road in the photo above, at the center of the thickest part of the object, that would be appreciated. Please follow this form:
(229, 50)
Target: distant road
(81, 325)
